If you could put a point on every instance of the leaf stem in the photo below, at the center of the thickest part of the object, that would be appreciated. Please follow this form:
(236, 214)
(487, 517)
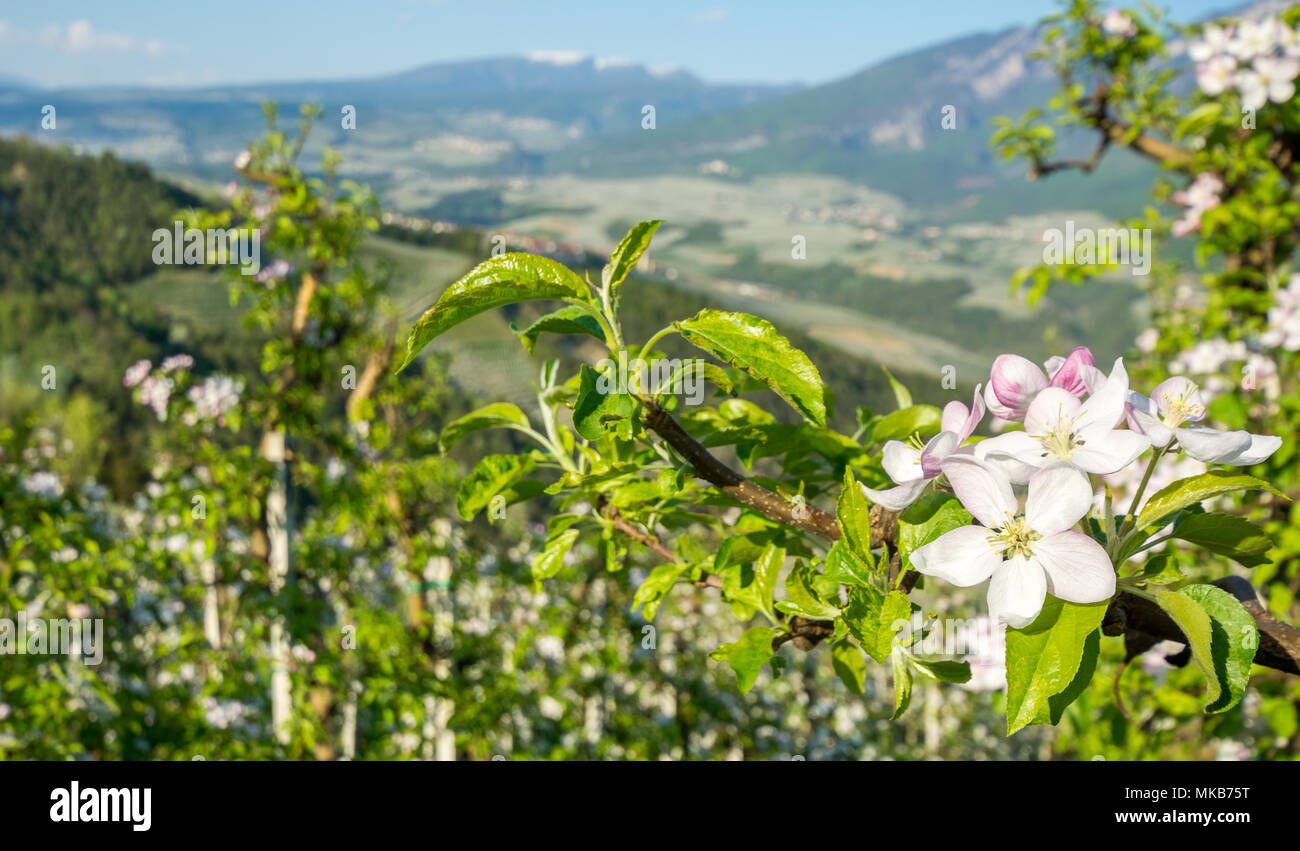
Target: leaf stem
(658, 335)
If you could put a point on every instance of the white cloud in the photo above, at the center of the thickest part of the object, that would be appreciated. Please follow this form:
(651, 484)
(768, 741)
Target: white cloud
(80, 36)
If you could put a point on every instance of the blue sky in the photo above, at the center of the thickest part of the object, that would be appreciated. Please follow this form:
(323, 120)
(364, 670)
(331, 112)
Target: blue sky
(96, 43)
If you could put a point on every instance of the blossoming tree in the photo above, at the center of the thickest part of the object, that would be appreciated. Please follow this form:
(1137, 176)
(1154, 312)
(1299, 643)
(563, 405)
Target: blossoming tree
(828, 538)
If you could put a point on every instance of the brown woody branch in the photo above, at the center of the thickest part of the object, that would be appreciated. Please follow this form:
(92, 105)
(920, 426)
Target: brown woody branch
(1128, 615)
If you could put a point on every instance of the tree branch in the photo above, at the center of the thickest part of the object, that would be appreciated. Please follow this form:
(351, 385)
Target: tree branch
(1279, 643)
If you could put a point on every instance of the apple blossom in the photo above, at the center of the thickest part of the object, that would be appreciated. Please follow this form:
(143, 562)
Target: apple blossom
(136, 373)
(1289, 40)
(1254, 38)
(1217, 75)
(1214, 42)
(1178, 400)
(1284, 318)
(1116, 22)
(912, 468)
(1059, 427)
(1015, 381)
(1027, 555)
(1270, 79)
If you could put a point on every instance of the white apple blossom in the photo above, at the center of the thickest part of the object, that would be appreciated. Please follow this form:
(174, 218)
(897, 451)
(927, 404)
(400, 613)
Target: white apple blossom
(175, 362)
(1289, 40)
(1254, 38)
(1214, 42)
(1117, 23)
(155, 391)
(1269, 79)
(1060, 428)
(1208, 356)
(1178, 400)
(1027, 555)
(1146, 341)
(913, 467)
(136, 373)
(1284, 318)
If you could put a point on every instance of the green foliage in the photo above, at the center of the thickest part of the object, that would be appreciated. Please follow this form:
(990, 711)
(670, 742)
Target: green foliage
(753, 345)
(502, 280)
(1044, 658)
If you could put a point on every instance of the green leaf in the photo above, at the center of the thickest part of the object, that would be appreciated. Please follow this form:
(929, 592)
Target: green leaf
(902, 395)
(1162, 569)
(1192, 490)
(843, 566)
(850, 665)
(548, 562)
(498, 415)
(490, 476)
(902, 683)
(803, 600)
(1044, 657)
(926, 519)
(873, 619)
(1227, 535)
(1233, 640)
(624, 258)
(747, 655)
(1191, 617)
(1199, 119)
(942, 671)
(597, 414)
(507, 279)
(566, 320)
(656, 587)
(753, 583)
(853, 512)
(1058, 703)
(901, 424)
(753, 345)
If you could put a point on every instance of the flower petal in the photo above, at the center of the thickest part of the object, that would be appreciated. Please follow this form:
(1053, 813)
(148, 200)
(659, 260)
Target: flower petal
(1059, 495)
(939, 447)
(1015, 454)
(1070, 376)
(1017, 592)
(961, 420)
(1261, 446)
(1105, 451)
(1143, 416)
(1106, 406)
(901, 462)
(1013, 383)
(954, 416)
(1077, 567)
(985, 492)
(1179, 389)
(1211, 445)
(897, 498)
(1054, 409)
(963, 557)
(1237, 448)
